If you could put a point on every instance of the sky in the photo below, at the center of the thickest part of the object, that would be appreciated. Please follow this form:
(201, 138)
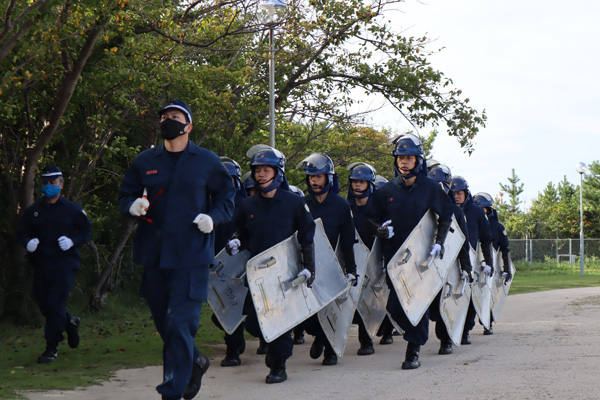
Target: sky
(534, 67)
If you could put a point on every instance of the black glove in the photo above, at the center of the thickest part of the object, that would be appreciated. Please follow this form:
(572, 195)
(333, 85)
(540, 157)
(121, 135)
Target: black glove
(308, 260)
(465, 264)
(508, 276)
(442, 232)
(349, 262)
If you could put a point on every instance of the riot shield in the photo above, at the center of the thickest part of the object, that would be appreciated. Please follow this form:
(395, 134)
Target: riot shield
(336, 317)
(454, 303)
(281, 300)
(226, 289)
(499, 288)
(374, 296)
(415, 275)
(482, 289)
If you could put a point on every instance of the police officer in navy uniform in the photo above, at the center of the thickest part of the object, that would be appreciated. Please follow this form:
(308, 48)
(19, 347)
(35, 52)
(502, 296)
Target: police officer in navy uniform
(362, 186)
(499, 238)
(235, 342)
(324, 202)
(442, 174)
(394, 212)
(52, 230)
(479, 232)
(265, 219)
(179, 192)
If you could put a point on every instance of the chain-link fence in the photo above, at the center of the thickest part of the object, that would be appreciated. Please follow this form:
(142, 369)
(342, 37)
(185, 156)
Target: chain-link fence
(559, 250)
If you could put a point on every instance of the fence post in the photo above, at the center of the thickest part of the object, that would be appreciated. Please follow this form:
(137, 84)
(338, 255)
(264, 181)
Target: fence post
(530, 253)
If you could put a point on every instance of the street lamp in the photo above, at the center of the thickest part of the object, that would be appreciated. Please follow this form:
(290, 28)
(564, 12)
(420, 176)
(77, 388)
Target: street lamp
(580, 168)
(271, 12)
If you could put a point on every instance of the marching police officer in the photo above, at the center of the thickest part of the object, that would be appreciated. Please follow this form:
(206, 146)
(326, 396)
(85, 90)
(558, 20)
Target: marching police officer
(269, 217)
(179, 192)
(441, 173)
(499, 238)
(479, 232)
(324, 202)
(52, 230)
(394, 212)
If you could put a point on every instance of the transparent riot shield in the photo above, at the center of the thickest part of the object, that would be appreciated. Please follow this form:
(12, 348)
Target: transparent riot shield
(454, 303)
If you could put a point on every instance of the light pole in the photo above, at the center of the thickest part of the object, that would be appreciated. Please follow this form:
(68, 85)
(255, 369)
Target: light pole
(581, 167)
(272, 11)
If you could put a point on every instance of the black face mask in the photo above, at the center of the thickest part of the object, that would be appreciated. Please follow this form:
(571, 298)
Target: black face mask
(170, 129)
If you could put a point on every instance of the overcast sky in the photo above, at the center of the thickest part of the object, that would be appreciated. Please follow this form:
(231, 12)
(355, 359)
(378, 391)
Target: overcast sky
(533, 65)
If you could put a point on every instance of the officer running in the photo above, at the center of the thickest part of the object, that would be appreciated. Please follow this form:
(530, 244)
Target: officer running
(267, 218)
(324, 202)
(394, 212)
(52, 230)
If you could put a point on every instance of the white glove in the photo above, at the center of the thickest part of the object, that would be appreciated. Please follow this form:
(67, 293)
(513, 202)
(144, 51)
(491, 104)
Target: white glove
(305, 273)
(139, 206)
(204, 222)
(467, 275)
(234, 246)
(388, 224)
(65, 243)
(436, 250)
(351, 278)
(32, 245)
(486, 269)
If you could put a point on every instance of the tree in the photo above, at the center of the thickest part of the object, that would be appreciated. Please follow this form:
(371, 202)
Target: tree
(591, 200)
(513, 190)
(77, 89)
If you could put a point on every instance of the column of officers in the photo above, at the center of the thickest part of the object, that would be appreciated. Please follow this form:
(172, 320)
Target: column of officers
(185, 218)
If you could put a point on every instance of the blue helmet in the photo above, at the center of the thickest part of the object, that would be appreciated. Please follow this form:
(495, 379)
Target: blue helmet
(380, 181)
(272, 158)
(234, 170)
(360, 171)
(459, 183)
(320, 164)
(483, 199)
(409, 145)
(441, 174)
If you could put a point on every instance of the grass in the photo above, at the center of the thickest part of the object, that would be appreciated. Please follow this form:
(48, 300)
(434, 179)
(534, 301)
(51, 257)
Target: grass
(123, 336)
(120, 336)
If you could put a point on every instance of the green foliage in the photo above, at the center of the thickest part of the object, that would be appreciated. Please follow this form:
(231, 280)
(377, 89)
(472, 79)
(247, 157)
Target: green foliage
(591, 200)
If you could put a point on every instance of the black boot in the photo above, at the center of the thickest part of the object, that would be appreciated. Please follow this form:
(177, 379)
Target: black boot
(445, 347)
(49, 355)
(277, 374)
(466, 338)
(488, 331)
(387, 339)
(316, 349)
(232, 359)
(193, 387)
(412, 357)
(330, 358)
(262, 348)
(366, 349)
(72, 329)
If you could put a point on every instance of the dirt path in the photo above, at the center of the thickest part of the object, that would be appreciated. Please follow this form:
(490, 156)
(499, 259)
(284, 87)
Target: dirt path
(546, 346)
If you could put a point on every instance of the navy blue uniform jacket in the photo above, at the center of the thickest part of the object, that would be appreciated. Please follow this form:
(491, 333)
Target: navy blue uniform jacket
(358, 212)
(198, 183)
(405, 206)
(48, 222)
(499, 238)
(335, 213)
(477, 223)
(262, 223)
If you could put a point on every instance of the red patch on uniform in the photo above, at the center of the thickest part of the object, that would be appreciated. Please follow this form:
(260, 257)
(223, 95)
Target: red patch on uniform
(152, 172)
(251, 216)
(391, 199)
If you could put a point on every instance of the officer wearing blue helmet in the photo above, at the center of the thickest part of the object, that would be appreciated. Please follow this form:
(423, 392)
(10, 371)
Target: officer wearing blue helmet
(442, 174)
(324, 202)
(269, 217)
(248, 183)
(394, 212)
(499, 238)
(379, 181)
(178, 191)
(222, 234)
(52, 230)
(479, 232)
